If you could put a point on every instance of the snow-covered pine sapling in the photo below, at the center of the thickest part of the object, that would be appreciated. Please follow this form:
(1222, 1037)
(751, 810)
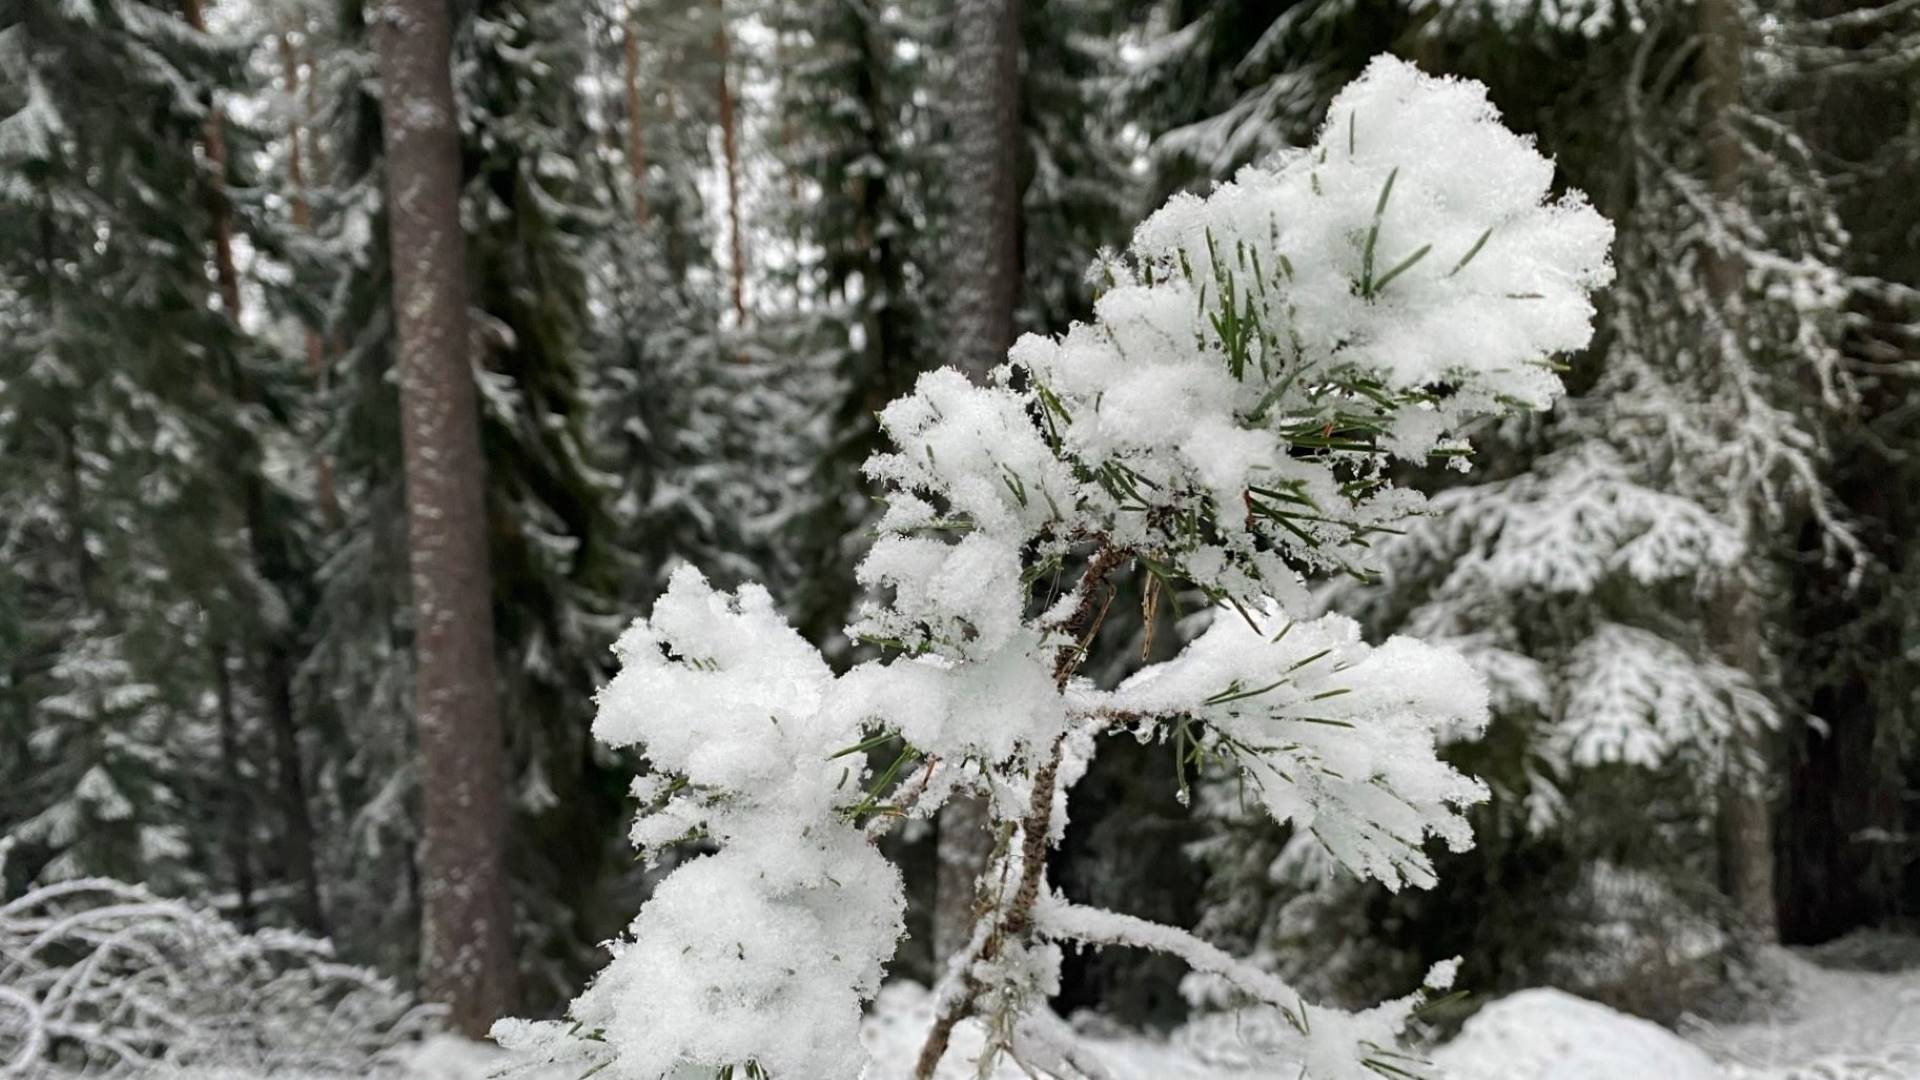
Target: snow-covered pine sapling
(1226, 423)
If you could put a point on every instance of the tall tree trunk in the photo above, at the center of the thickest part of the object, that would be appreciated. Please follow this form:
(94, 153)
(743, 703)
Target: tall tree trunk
(730, 146)
(466, 934)
(233, 795)
(303, 220)
(269, 556)
(277, 676)
(986, 286)
(636, 116)
(214, 142)
(1746, 827)
(986, 181)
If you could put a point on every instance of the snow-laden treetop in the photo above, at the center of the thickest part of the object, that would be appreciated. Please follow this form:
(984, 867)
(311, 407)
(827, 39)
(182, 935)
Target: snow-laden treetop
(1224, 422)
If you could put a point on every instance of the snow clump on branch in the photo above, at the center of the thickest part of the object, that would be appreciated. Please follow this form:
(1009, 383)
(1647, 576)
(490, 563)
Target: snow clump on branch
(1224, 423)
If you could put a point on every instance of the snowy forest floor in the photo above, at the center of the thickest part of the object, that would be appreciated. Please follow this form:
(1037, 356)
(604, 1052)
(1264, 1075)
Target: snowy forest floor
(1831, 1016)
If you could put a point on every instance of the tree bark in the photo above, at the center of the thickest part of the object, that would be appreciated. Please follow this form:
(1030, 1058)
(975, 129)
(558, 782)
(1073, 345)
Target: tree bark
(277, 675)
(303, 220)
(1746, 825)
(987, 273)
(214, 143)
(986, 175)
(636, 117)
(730, 146)
(466, 934)
(234, 794)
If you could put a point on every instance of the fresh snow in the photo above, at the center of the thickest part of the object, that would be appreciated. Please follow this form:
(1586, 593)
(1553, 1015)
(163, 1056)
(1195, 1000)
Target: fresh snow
(1829, 1024)
(1226, 420)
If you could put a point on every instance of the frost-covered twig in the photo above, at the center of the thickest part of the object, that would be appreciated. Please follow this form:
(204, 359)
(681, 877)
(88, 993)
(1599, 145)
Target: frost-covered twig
(1224, 423)
(96, 973)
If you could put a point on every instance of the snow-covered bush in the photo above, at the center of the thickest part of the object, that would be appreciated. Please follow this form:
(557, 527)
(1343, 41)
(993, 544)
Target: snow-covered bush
(1225, 422)
(99, 977)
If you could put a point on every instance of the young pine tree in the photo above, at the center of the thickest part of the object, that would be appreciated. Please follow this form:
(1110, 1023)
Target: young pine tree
(1225, 421)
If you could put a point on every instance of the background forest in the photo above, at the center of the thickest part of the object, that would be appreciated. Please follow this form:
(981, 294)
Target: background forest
(706, 240)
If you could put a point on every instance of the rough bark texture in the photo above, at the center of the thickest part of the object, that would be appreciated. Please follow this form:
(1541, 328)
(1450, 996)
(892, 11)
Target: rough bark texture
(466, 941)
(730, 145)
(1746, 827)
(986, 284)
(986, 181)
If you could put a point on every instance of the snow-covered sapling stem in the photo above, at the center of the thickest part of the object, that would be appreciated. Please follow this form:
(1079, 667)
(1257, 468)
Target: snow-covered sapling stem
(1224, 423)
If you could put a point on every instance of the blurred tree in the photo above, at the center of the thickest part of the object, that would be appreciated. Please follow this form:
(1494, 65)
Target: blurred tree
(467, 959)
(130, 582)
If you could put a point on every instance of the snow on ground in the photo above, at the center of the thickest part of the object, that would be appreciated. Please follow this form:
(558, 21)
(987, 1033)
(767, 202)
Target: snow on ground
(1833, 1024)
(1830, 1023)
(1537, 1034)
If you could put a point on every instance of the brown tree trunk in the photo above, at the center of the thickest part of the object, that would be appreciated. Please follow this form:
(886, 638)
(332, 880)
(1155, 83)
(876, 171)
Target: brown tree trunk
(1746, 823)
(466, 934)
(303, 220)
(214, 141)
(277, 676)
(234, 794)
(268, 558)
(730, 145)
(636, 117)
(986, 286)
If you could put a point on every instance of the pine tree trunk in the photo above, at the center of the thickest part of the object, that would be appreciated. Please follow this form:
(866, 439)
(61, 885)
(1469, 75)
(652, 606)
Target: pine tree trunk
(986, 286)
(1746, 831)
(636, 117)
(986, 181)
(303, 220)
(466, 934)
(268, 558)
(730, 146)
(214, 142)
(277, 675)
(233, 795)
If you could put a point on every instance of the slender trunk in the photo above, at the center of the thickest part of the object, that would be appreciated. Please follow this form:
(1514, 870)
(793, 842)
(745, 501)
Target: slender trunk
(788, 172)
(214, 141)
(466, 934)
(303, 220)
(986, 267)
(964, 844)
(730, 146)
(277, 673)
(1746, 825)
(636, 117)
(986, 181)
(296, 820)
(233, 795)
(958, 996)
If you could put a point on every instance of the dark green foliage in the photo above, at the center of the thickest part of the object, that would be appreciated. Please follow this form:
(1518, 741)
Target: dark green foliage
(857, 133)
(127, 399)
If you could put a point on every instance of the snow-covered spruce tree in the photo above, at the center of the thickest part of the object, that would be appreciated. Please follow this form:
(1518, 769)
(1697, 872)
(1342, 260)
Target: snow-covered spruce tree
(1216, 84)
(124, 433)
(1618, 574)
(1698, 460)
(1225, 420)
(855, 124)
